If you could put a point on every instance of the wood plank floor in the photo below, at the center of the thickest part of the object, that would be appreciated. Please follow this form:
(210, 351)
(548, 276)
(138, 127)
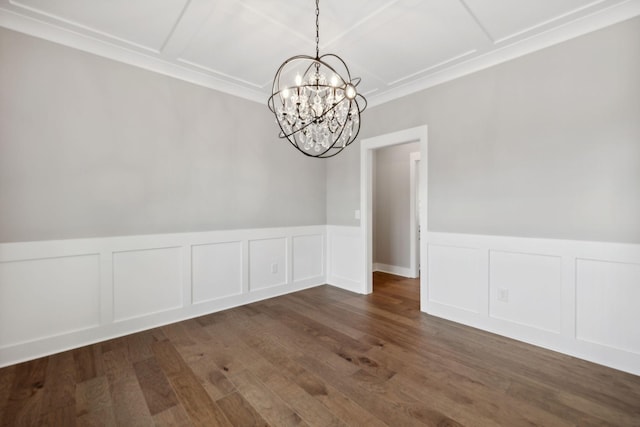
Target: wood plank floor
(321, 357)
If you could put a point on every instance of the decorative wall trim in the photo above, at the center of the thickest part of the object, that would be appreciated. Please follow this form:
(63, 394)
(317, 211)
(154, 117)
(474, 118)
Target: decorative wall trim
(62, 294)
(167, 60)
(127, 54)
(345, 258)
(511, 49)
(575, 297)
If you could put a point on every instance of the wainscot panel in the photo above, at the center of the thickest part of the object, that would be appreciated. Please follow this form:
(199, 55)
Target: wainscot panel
(48, 296)
(267, 263)
(308, 256)
(216, 270)
(57, 295)
(608, 294)
(526, 289)
(146, 281)
(345, 257)
(456, 278)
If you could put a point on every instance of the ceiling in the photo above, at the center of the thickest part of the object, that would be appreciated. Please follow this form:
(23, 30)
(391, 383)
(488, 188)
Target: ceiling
(396, 46)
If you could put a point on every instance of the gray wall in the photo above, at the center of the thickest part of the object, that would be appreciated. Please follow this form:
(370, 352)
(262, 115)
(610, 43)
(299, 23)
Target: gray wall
(391, 197)
(93, 147)
(546, 145)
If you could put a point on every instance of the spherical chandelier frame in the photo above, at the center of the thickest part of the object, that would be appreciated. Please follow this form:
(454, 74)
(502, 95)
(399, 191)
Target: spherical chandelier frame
(325, 127)
(319, 114)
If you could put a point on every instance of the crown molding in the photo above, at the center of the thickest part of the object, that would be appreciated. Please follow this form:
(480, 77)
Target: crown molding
(578, 27)
(86, 43)
(226, 84)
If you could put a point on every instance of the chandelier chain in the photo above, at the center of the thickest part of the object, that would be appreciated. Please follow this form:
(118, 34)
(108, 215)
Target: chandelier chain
(317, 29)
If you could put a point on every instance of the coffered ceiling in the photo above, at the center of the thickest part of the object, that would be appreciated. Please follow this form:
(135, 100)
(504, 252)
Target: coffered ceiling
(396, 46)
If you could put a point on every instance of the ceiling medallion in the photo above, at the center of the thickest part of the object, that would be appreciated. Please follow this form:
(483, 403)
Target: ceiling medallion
(316, 103)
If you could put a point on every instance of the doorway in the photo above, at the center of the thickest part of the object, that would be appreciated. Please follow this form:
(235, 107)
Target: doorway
(367, 147)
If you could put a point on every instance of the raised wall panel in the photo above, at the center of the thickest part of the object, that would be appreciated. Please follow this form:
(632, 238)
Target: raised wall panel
(533, 283)
(345, 253)
(308, 257)
(216, 270)
(607, 301)
(40, 298)
(267, 263)
(146, 281)
(454, 277)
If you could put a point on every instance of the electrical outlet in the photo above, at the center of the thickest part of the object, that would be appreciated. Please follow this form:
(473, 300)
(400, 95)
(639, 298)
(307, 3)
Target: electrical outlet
(503, 295)
(274, 268)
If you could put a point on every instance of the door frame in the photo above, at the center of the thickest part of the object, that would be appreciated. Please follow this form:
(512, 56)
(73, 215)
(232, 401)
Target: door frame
(367, 148)
(414, 221)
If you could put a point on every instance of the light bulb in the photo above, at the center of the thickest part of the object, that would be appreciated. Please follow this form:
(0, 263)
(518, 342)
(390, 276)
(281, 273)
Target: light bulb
(298, 79)
(285, 92)
(350, 91)
(334, 80)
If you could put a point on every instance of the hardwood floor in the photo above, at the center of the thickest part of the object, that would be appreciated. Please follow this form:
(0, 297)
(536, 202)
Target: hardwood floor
(323, 357)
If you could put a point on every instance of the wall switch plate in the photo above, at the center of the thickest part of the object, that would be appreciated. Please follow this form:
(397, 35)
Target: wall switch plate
(503, 295)
(357, 214)
(274, 268)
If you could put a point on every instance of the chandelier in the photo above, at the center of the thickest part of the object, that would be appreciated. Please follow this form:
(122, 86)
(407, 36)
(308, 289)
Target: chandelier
(315, 101)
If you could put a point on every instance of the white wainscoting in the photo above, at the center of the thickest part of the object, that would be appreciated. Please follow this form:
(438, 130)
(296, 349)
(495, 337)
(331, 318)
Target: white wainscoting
(267, 263)
(146, 281)
(308, 256)
(458, 273)
(608, 295)
(48, 296)
(57, 295)
(579, 298)
(217, 271)
(575, 297)
(345, 255)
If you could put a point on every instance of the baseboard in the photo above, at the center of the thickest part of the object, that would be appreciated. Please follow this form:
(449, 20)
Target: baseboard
(393, 269)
